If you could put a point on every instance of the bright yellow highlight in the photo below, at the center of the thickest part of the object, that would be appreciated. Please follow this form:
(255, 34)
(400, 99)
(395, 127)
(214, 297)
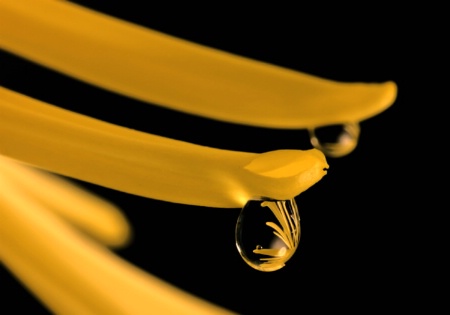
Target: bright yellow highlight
(81, 147)
(154, 67)
(287, 230)
(66, 270)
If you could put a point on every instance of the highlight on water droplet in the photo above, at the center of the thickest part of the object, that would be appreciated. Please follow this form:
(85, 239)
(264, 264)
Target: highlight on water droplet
(335, 140)
(268, 233)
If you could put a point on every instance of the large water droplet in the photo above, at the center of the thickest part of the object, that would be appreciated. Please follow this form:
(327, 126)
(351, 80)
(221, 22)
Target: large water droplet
(335, 140)
(268, 233)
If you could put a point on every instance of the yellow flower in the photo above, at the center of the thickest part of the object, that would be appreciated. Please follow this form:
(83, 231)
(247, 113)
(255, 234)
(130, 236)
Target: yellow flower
(40, 219)
(81, 147)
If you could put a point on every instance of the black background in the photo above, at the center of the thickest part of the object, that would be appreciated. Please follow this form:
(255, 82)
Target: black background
(358, 234)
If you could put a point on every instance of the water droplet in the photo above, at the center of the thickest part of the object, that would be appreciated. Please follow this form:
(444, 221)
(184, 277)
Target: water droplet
(268, 233)
(335, 140)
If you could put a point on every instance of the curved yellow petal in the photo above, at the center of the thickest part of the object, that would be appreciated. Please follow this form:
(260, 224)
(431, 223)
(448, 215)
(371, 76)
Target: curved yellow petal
(91, 214)
(71, 274)
(81, 147)
(154, 67)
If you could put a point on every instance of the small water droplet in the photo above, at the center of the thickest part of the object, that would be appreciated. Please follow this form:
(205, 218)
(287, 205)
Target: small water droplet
(268, 233)
(335, 140)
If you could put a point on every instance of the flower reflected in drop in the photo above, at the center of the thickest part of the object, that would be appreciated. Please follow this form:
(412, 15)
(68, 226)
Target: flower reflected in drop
(268, 233)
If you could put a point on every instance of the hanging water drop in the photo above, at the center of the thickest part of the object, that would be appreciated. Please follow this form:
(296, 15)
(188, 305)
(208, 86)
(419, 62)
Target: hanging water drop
(335, 140)
(268, 233)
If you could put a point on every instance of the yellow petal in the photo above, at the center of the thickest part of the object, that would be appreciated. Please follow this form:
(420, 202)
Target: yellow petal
(91, 150)
(93, 215)
(154, 67)
(73, 275)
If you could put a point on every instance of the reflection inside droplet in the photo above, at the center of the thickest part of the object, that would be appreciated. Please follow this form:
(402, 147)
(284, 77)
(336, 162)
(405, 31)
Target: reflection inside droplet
(335, 140)
(268, 233)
